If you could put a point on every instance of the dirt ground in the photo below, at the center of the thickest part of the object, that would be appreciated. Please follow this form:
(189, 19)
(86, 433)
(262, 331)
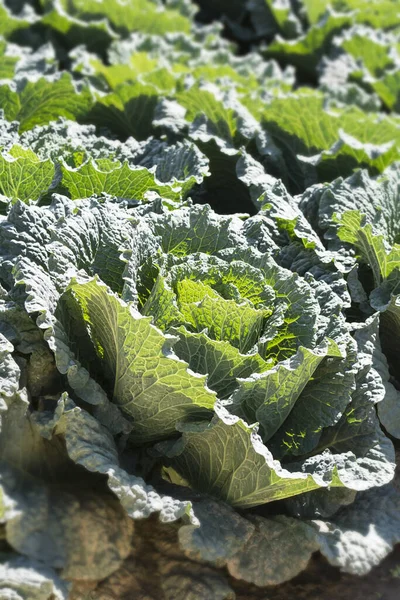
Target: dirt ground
(319, 581)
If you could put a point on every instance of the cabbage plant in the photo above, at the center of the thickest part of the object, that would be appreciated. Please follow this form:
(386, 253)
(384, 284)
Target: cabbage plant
(156, 361)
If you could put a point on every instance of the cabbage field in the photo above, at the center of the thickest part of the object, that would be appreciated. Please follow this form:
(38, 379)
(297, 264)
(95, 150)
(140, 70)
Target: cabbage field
(199, 297)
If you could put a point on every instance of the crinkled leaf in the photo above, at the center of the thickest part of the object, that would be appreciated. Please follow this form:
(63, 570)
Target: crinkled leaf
(240, 469)
(269, 397)
(222, 533)
(115, 179)
(42, 101)
(144, 15)
(365, 456)
(364, 533)
(330, 141)
(24, 579)
(23, 175)
(46, 519)
(372, 249)
(373, 197)
(305, 51)
(9, 371)
(219, 360)
(278, 550)
(129, 110)
(90, 445)
(149, 383)
(181, 165)
(321, 404)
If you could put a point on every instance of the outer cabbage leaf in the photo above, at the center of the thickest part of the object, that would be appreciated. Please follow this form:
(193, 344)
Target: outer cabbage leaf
(369, 58)
(73, 142)
(306, 50)
(24, 579)
(43, 520)
(178, 166)
(12, 25)
(385, 265)
(380, 14)
(281, 229)
(385, 299)
(45, 100)
(90, 445)
(86, 238)
(270, 397)
(48, 518)
(389, 408)
(23, 175)
(115, 179)
(9, 373)
(129, 110)
(151, 385)
(349, 539)
(204, 54)
(321, 403)
(288, 542)
(222, 532)
(240, 469)
(357, 438)
(145, 15)
(199, 229)
(372, 49)
(227, 538)
(220, 124)
(326, 143)
(96, 33)
(372, 249)
(356, 539)
(374, 197)
(364, 533)
(388, 89)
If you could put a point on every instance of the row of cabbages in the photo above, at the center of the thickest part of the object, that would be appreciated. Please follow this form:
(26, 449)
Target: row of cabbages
(189, 398)
(211, 369)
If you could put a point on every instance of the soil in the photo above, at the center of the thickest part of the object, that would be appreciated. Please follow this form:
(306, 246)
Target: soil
(320, 581)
